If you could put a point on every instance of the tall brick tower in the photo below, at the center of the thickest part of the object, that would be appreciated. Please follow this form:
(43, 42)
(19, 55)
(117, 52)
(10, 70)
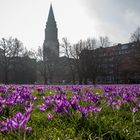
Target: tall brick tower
(51, 44)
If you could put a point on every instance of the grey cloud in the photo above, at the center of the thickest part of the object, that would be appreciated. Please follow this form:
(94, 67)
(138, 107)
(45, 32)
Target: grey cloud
(112, 9)
(120, 15)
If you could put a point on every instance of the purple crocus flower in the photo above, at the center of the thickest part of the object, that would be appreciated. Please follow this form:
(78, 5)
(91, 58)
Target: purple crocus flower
(134, 109)
(3, 126)
(42, 107)
(28, 129)
(49, 116)
(17, 122)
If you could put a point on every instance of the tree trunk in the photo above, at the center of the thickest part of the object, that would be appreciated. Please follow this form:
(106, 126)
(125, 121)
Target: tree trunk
(45, 75)
(85, 80)
(46, 81)
(6, 75)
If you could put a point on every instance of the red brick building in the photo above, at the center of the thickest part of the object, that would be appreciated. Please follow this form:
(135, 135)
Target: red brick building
(116, 64)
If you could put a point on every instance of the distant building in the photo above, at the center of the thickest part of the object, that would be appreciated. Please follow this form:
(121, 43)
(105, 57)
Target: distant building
(115, 64)
(56, 68)
(51, 44)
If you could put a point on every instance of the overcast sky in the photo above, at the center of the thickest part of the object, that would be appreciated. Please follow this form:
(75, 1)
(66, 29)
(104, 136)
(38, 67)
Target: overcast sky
(76, 19)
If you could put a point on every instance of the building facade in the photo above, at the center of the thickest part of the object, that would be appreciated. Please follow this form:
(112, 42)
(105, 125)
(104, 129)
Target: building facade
(115, 64)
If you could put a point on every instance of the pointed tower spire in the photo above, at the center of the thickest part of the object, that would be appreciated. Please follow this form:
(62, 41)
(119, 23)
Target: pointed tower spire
(51, 19)
(51, 14)
(51, 44)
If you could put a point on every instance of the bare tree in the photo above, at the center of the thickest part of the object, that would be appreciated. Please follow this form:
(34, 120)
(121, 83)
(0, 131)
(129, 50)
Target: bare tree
(104, 41)
(45, 67)
(75, 52)
(67, 51)
(135, 37)
(39, 53)
(42, 65)
(83, 59)
(11, 48)
(135, 52)
(82, 52)
(117, 60)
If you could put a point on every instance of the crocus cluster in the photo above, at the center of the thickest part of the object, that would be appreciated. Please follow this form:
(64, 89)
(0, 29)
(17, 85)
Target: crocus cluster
(16, 96)
(117, 96)
(17, 122)
(17, 102)
(85, 102)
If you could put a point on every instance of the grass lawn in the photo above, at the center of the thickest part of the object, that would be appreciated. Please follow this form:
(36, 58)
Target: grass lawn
(76, 112)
